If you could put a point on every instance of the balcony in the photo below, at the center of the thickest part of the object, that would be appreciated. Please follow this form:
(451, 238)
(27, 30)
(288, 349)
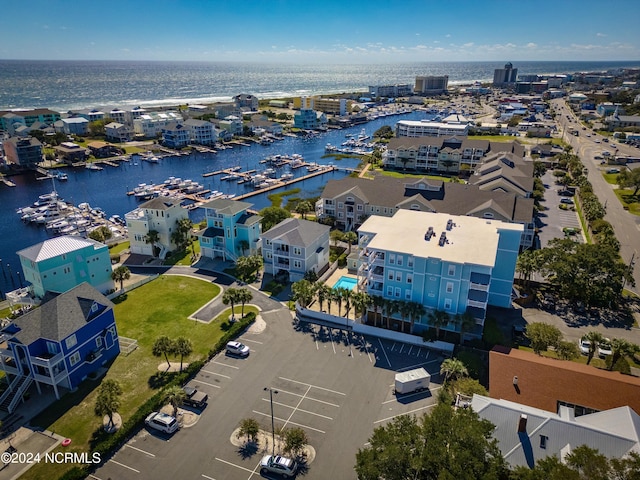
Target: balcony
(479, 286)
(284, 252)
(281, 265)
(46, 361)
(476, 304)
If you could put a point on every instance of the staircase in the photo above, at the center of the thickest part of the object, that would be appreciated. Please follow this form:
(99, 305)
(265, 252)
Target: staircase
(13, 395)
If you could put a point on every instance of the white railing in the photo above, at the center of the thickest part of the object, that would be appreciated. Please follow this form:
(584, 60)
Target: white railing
(479, 286)
(18, 396)
(128, 288)
(474, 303)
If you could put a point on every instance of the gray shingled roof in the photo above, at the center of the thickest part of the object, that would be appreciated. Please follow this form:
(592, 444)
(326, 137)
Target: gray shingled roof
(54, 247)
(160, 203)
(226, 206)
(59, 315)
(295, 231)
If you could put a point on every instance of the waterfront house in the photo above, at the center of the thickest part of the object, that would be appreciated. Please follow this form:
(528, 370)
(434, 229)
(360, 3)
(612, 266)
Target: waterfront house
(69, 337)
(61, 263)
(23, 152)
(231, 231)
(308, 119)
(231, 124)
(175, 135)
(117, 115)
(526, 434)
(71, 152)
(201, 132)
(160, 214)
(150, 124)
(118, 132)
(103, 149)
(454, 264)
(350, 201)
(294, 247)
(72, 126)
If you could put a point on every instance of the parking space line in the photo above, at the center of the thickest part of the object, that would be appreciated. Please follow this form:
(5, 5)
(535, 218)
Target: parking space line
(215, 373)
(395, 399)
(364, 345)
(402, 347)
(393, 346)
(93, 476)
(385, 353)
(405, 413)
(139, 450)
(309, 398)
(205, 383)
(310, 385)
(332, 344)
(208, 477)
(225, 365)
(252, 341)
(299, 409)
(125, 466)
(427, 355)
(292, 423)
(235, 465)
(297, 406)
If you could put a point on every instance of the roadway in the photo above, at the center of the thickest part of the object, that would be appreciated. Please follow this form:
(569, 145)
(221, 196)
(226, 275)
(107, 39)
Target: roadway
(625, 224)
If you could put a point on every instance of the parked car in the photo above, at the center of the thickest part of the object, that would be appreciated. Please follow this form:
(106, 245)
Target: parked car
(237, 348)
(584, 345)
(565, 193)
(604, 348)
(613, 170)
(284, 466)
(194, 397)
(566, 201)
(161, 421)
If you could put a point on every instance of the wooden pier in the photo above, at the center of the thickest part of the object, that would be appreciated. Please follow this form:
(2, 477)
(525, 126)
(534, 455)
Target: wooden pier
(284, 183)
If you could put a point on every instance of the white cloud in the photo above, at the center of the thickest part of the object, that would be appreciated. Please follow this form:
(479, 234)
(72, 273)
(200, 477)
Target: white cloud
(532, 45)
(601, 34)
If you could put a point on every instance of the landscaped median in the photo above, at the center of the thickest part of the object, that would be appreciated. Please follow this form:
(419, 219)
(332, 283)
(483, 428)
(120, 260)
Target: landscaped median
(161, 307)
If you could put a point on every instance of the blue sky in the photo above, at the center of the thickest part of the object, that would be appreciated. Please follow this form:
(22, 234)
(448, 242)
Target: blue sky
(326, 31)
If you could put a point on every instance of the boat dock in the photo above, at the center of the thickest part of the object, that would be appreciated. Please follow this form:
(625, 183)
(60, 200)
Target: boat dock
(283, 183)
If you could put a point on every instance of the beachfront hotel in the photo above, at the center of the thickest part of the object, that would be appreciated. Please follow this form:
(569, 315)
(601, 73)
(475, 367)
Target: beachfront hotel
(450, 263)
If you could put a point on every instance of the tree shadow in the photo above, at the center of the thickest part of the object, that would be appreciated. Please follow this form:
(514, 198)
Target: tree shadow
(160, 379)
(120, 298)
(248, 450)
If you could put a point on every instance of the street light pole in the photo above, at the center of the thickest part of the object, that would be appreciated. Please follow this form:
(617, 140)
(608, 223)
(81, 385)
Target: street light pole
(273, 428)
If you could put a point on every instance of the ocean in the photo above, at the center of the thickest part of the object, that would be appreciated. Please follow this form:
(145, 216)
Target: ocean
(66, 85)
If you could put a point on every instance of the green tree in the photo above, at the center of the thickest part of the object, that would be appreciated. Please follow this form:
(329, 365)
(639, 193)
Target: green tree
(96, 128)
(465, 322)
(247, 267)
(452, 369)
(527, 264)
(543, 336)
(303, 292)
(378, 303)
(626, 468)
(108, 399)
(351, 238)
(183, 347)
(445, 445)
(336, 237)
(295, 439)
(323, 293)
(438, 319)
(391, 307)
(163, 345)
(244, 246)
(175, 396)
(594, 338)
(244, 296)
(303, 208)
(361, 300)
(384, 132)
(567, 350)
(152, 238)
(589, 463)
(272, 216)
(250, 428)
(417, 312)
(621, 348)
(630, 179)
(100, 234)
(120, 274)
(230, 297)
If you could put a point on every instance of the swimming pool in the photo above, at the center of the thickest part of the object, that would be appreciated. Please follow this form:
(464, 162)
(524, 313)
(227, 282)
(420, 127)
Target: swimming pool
(346, 282)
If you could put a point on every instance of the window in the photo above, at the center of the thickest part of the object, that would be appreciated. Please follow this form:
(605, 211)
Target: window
(488, 215)
(398, 291)
(409, 278)
(407, 294)
(340, 205)
(449, 287)
(392, 258)
(410, 262)
(340, 215)
(447, 303)
(452, 270)
(297, 264)
(543, 441)
(297, 251)
(75, 358)
(400, 260)
(360, 207)
(391, 274)
(98, 342)
(71, 341)
(389, 291)
(269, 255)
(398, 276)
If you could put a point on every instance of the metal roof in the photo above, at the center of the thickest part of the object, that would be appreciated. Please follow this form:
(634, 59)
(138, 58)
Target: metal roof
(57, 246)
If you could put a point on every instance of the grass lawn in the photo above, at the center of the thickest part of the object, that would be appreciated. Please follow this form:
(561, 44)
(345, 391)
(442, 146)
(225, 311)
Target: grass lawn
(119, 248)
(611, 178)
(395, 174)
(183, 257)
(160, 307)
(627, 199)
(496, 138)
(595, 362)
(276, 198)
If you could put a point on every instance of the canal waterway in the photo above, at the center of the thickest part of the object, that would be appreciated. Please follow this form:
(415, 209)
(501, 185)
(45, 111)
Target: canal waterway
(107, 188)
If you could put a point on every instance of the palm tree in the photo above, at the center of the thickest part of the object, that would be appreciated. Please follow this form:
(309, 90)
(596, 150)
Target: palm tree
(244, 246)
(594, 338)
(466, 322)
(438, 319)
(303, 208)
(621, 348)
(163, 345)
(527, 264)
(152, 237)
(182, 347)
(120, 274)
(175, 397)
(244, 296)
(351, 238)
(338, 296)
(378, 303)
(323, 292)
(108, 400)
(230, 297)
(453, 368)
(390, 307)
(405, 308)
(303, 292)
(361, 300)
(417, 312)
(347, 298)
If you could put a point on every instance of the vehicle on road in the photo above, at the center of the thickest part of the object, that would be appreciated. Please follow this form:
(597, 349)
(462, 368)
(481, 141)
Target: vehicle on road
(237, 348)
(566, 201)
(584, 346)
(412, 381)
(285, 467)
(161, 421)
(194, 397)
(613, 170)
(604, 348)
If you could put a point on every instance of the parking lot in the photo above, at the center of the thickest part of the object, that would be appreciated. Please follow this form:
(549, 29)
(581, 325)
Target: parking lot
(335, 385)
(553, 219)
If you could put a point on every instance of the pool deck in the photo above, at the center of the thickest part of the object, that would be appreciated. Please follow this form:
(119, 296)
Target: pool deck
(335, 276)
